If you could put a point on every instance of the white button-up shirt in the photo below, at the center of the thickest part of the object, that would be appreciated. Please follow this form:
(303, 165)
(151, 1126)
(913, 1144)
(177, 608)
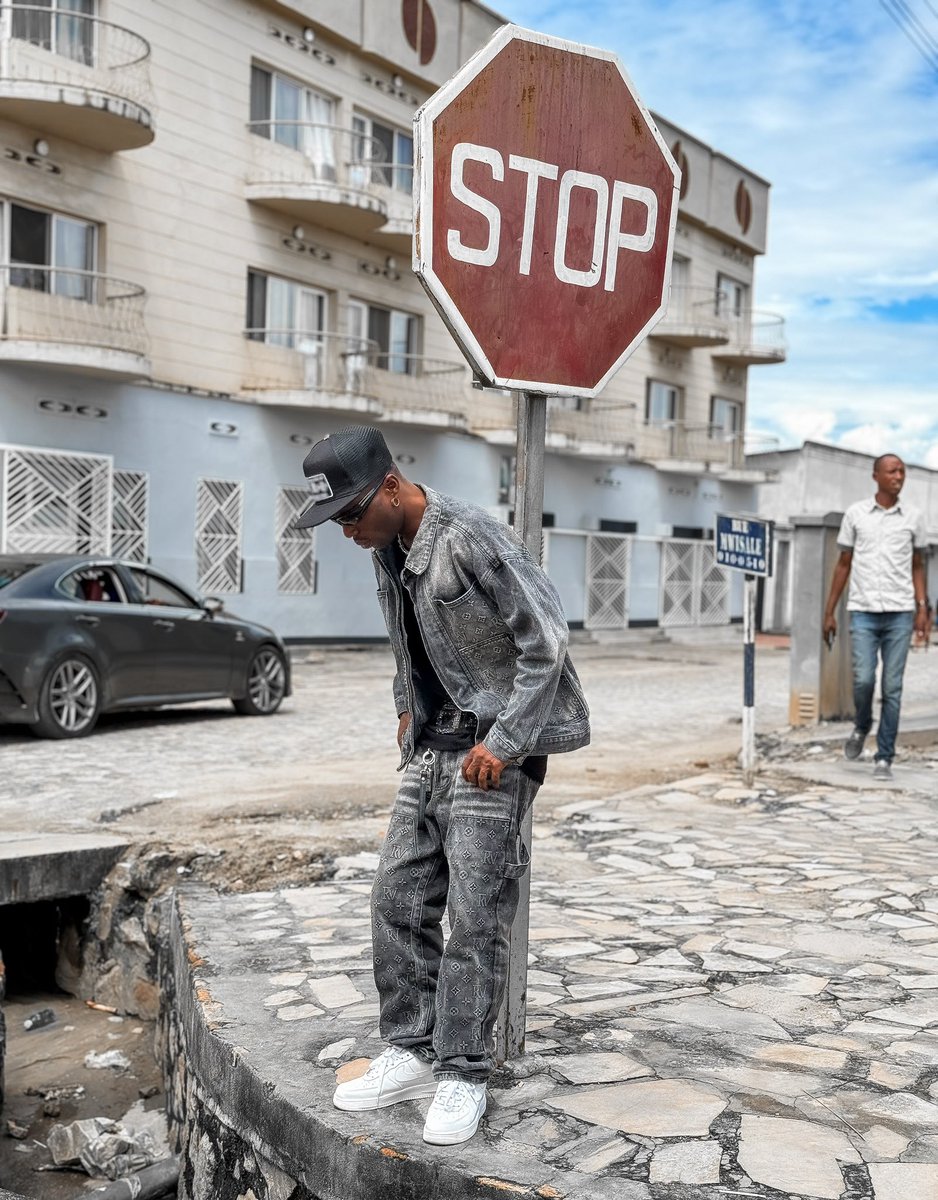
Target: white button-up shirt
(882, 541)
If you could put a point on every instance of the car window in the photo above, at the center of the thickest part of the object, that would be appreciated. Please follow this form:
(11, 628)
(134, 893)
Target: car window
(95, 585)
(13, 570)
(156, 590)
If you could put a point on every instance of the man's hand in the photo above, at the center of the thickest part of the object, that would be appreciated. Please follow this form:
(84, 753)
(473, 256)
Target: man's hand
(402, 727)
(829, 629)
(921, 623)
(481, 768)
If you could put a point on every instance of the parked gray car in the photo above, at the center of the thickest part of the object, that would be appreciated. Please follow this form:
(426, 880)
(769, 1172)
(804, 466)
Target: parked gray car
(84, 635)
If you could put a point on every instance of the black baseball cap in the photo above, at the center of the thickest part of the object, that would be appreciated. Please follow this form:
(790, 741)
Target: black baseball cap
(341, 467)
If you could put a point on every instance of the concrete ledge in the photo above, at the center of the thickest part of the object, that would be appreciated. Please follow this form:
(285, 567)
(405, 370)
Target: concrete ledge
(34, 868)
(246, 1084)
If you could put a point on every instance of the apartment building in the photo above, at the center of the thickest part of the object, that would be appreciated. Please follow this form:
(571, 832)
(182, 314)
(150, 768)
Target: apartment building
(206, 216)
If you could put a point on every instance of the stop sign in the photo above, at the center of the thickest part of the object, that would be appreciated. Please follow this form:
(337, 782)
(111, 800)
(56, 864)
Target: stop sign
(546, 201)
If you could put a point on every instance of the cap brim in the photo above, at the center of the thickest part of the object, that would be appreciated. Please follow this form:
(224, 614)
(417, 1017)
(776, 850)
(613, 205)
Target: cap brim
(316, 512)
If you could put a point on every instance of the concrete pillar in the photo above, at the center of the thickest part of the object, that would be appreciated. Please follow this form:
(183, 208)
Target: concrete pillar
(821, 680)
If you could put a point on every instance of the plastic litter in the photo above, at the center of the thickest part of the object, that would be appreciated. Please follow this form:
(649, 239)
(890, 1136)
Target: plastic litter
(45, 1016)
(107, 1058)
(101, 1147)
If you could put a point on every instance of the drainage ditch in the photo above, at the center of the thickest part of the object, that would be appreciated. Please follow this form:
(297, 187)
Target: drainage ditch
(81, 1084)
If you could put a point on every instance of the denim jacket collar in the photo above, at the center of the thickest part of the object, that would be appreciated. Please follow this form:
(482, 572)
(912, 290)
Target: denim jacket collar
(418, 556)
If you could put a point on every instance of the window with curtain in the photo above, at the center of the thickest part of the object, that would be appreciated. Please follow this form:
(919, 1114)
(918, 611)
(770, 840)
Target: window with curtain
(61, 26)
(293, 115)
(384, 155)
(663, 402)
(282, 312)
(49, 252)
(392, 334)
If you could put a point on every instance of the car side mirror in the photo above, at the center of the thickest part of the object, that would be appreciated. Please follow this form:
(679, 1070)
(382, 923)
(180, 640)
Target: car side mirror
(212, 605)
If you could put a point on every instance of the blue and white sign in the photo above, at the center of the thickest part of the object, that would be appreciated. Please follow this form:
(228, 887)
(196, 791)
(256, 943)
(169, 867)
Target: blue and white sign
(744, 544)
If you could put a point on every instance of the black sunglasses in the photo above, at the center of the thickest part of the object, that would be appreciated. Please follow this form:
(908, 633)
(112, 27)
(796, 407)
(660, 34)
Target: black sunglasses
(351, 516)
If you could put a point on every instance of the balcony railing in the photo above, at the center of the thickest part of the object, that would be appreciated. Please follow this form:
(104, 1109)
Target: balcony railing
(753, 337)
(54, 60)
(338, 371)
(693, 318)
(54, 308)
(321, 172)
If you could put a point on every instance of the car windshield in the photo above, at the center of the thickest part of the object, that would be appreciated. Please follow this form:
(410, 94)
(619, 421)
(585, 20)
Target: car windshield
(13, 570)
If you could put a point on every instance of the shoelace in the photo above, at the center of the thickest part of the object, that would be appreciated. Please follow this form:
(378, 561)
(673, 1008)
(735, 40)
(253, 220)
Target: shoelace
(454, 1097)
(385, 1061)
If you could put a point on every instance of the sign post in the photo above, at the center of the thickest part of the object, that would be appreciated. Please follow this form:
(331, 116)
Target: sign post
(746, 544)
(544, 241)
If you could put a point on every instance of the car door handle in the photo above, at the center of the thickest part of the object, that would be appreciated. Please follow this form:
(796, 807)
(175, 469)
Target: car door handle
(88, 619)
(164, 624)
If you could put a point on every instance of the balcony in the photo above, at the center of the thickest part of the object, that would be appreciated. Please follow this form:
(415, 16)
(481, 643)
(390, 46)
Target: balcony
(83, 320)
(753, 338)
(692, 319)
(76, 77)
(346, 374)
(322, 174)
(397, 234)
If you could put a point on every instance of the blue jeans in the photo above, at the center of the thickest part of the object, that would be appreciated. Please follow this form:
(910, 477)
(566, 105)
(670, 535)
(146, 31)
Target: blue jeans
(886, 634)
(449, 845)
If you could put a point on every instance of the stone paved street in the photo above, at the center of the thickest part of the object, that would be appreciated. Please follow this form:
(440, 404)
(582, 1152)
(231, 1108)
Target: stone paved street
(732, 991)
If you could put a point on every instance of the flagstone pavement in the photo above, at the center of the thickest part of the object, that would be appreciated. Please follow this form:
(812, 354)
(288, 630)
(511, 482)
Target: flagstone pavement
(732, 992)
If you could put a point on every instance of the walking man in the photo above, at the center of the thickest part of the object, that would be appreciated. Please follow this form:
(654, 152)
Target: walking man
(882, 544)
(485, 691)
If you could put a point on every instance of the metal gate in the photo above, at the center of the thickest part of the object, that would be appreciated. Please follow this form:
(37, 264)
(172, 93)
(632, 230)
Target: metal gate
(296, 548)
(218, 535)
(608, 564)
(54, 502)
(131, 494)
(694, 590)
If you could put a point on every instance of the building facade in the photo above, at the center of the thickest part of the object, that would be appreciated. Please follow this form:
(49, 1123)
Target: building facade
(207, 223)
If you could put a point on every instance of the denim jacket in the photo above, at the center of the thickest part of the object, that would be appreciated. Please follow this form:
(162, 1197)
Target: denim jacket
(494, 631)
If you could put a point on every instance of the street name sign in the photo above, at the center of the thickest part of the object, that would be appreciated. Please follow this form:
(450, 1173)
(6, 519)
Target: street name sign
(744, 544)
(545, 207)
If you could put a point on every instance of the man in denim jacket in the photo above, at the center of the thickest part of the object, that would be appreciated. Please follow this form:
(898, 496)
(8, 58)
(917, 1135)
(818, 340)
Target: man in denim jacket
(484, 690)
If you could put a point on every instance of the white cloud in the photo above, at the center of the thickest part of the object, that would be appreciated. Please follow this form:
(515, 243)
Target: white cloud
(834, 106)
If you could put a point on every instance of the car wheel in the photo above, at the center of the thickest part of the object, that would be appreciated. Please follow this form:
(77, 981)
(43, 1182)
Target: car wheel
(69, 699)
(267, 684)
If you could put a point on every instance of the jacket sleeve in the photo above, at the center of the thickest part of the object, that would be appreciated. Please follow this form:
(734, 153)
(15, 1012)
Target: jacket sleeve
(530, 607)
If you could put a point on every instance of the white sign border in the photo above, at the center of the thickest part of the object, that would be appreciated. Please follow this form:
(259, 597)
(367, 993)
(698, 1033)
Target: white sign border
(423, 208)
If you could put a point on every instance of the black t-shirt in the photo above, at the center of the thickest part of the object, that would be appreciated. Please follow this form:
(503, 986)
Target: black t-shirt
(448, 728)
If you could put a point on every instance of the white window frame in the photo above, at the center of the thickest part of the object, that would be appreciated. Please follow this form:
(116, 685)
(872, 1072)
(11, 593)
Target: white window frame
(294, 333)
(77, 283)
(723, 405)
(397, 174)
(673, 397)
(732, 299)
(57, 11)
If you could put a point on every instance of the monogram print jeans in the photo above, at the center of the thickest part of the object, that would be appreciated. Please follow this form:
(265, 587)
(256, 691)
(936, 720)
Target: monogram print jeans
(449, 844)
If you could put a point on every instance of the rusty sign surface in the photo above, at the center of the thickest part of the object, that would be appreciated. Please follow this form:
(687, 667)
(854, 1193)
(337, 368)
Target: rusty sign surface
(545, 207)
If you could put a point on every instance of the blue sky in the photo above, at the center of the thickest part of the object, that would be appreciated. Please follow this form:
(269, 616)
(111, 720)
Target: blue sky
(832, 103)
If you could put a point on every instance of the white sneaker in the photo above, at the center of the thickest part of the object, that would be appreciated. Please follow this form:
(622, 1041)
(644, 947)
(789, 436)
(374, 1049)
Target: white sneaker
(455, 1113)
(393, 1076)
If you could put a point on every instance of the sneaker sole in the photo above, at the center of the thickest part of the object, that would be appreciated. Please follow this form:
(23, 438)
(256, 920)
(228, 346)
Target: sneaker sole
(417, 1091)
(454, 1137)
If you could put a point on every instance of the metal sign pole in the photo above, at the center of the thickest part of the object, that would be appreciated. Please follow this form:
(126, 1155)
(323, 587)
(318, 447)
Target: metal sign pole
(749, 679)
(529, 519)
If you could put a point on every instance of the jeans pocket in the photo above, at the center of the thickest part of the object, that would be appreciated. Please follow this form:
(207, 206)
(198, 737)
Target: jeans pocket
(517, 854)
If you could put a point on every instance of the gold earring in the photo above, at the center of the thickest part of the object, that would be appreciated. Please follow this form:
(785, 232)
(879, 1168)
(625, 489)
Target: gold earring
(395, 501)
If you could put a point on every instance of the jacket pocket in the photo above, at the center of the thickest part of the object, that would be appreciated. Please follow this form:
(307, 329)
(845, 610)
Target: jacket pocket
(480, 638)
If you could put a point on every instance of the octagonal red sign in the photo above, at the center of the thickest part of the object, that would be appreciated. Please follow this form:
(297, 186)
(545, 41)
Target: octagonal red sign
(546, 201)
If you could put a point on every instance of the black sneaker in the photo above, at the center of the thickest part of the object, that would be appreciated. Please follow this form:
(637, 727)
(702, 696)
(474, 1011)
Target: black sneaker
(854, 744)
(882, 769)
